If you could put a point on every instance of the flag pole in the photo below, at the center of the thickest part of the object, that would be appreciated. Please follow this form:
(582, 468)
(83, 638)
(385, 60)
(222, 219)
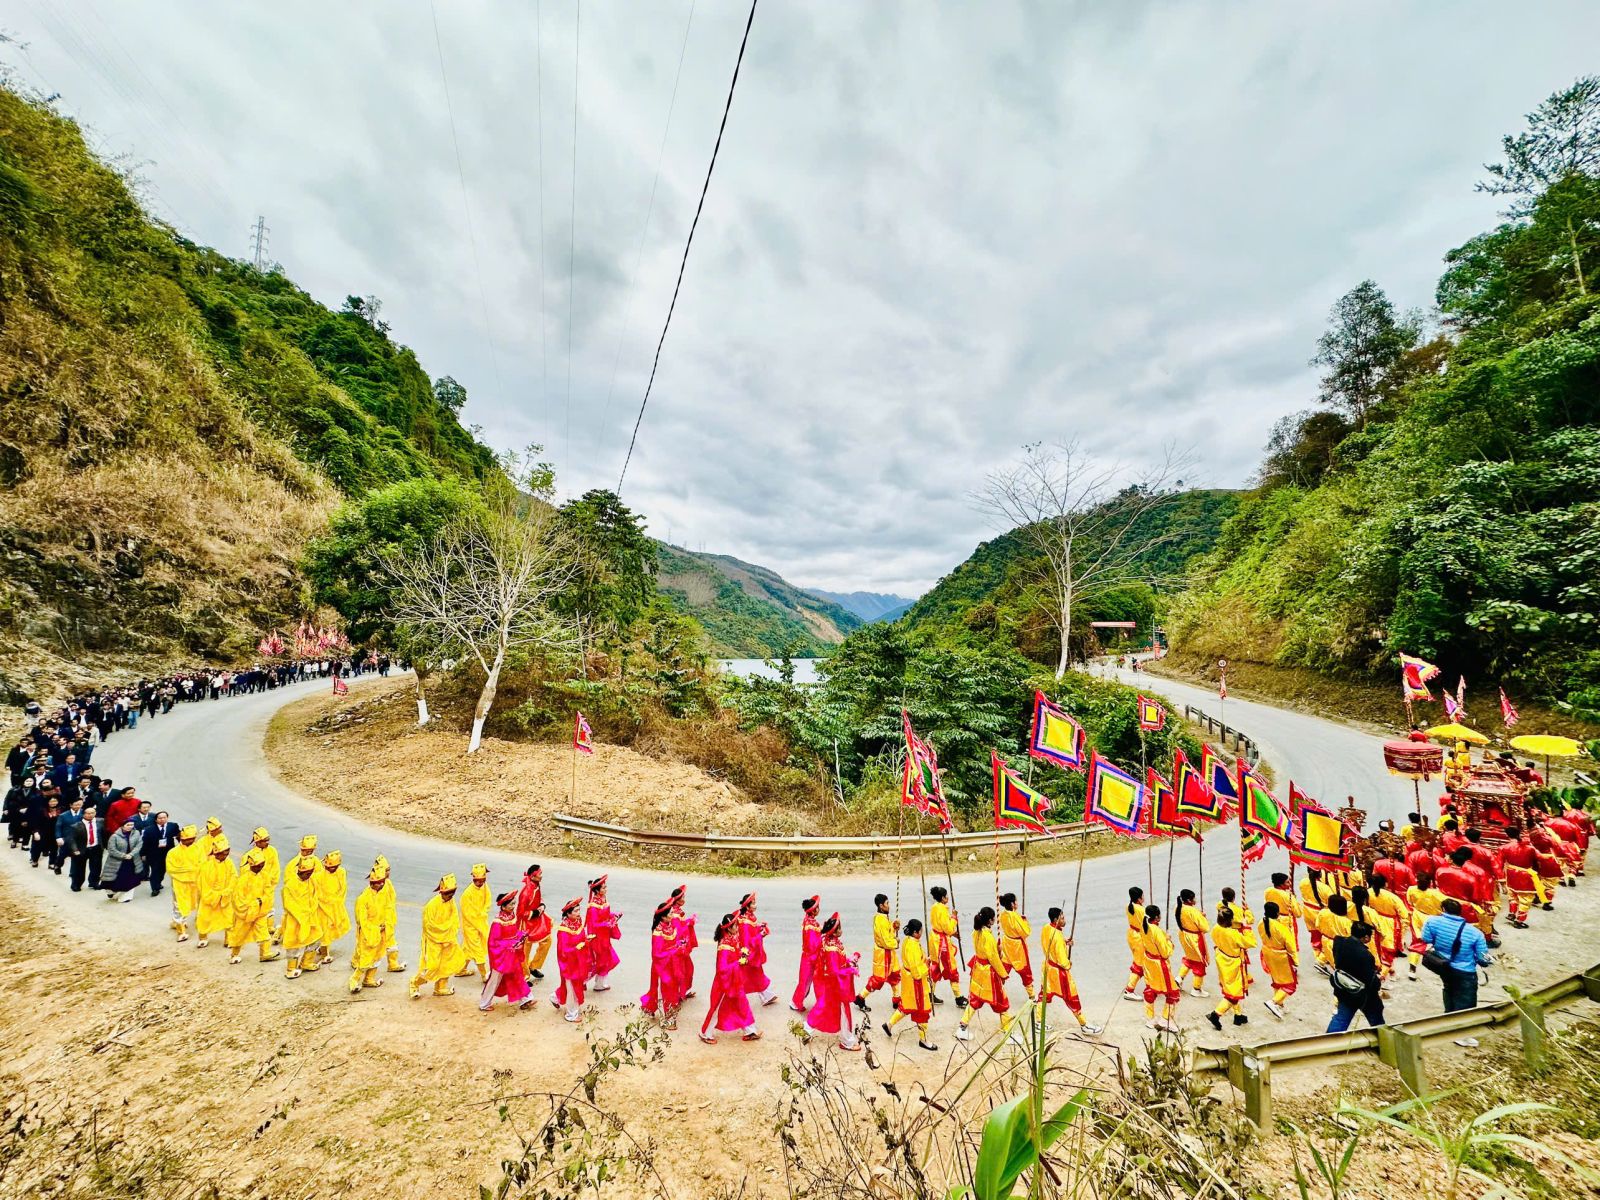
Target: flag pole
(950, 890)
(922, 876)
(899, 852)
(1025, 843)
(1077, 887)
(1149, 849)
(1172, 848)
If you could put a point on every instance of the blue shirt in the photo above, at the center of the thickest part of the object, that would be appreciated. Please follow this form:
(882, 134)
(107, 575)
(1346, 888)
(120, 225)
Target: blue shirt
(1440, 932)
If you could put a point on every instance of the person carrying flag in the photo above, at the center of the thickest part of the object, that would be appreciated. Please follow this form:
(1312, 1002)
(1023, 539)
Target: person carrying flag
(1192, 930)
(885, 941)
(1014, 934)
(1280, 954)
(1058, 981)
(986, 976)
(1233, 974)
(1281, 894)
(946, 960)
(1135, 943)
(1158, 980)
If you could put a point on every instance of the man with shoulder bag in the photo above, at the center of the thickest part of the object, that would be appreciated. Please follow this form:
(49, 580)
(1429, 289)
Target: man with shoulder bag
(1355, 979)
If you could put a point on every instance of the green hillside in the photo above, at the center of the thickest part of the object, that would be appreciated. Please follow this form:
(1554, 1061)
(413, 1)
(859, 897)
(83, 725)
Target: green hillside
(1445, 498)
(749, 611)
(177, 423)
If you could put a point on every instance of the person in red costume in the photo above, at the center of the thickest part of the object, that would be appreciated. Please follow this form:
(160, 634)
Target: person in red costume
(688, 942)
(572, 960)
(663, 999)
(1522, 879)
(1420, 860)
(600, 923)
(730, 1003)
(1585, 826)
(1450, 837)
(810, 952)
(1457, 882)
(507, 970)
(753, 937)
(836, 987)
(1548, 865)
(534, 921)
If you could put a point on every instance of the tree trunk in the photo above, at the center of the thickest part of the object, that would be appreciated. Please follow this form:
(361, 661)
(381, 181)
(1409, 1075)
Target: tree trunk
(1577, 262)
(485, 702)
(1066, 635)
(422, 697)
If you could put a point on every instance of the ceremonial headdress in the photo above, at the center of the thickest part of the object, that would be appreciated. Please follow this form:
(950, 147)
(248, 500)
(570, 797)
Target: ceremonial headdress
(595, 885)
(308, 843)
(447, 883)
(810, 904)
(260, 834)
(332, 858)
(220, 842)
(831, 925)
(254, 857)
(213, 825)
(480, 870)
(747, 901)
(570, 907)
(188, 833)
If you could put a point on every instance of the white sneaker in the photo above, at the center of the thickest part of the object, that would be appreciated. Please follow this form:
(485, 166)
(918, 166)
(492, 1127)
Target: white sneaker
(1471, 1043)
(1196, 992)
(1134, 996)
(963, 1034)
(570, 1016)
(1088, 1030)
(1275, 1010)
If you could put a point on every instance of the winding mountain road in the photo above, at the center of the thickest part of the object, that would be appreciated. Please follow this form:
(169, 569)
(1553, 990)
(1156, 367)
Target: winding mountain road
(206, 759)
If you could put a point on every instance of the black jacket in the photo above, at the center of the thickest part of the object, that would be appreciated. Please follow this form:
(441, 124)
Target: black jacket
(1354, 959)
(78, 839)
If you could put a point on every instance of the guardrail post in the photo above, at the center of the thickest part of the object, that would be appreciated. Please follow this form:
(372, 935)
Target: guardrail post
(1403, 1052)
(1591, 983)
(1530, 1019)
(1252, 1076)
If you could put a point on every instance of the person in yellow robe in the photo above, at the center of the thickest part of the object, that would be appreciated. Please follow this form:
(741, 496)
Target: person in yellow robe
(1281, 894)
(986, 976)
(1014, 934)
(1334, 922)
(214, 892)
(1243, 919)
(1058, 983)
(373, 932)
(208, 839)
(332, 890)
(1394, 927)
(391, 906)
(1193, 929)
(1233, 978)
(1314, 893)
(475, 904)
(1158, 979)
(944, 946)
(441, 941)
(302, 919)
(885, 948)
(916, 987)
(1424, 902)
(183, 872)
(272, 868)
(252, 902)
(1135, 943)
(1280, 955)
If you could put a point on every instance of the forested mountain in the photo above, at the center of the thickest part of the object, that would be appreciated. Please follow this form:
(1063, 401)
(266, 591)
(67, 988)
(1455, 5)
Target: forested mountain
(749, 611)
(869, 606)
(176, 423)
(1444, 498)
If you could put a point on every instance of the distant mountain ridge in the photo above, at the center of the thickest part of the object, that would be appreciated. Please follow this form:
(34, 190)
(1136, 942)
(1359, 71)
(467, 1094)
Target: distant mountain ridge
(869, 606)
(750, 611)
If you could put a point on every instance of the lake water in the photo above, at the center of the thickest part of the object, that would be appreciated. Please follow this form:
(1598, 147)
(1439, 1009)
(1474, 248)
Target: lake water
(805, 669)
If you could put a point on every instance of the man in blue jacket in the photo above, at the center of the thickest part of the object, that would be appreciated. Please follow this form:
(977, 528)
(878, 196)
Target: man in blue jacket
(1464, 945)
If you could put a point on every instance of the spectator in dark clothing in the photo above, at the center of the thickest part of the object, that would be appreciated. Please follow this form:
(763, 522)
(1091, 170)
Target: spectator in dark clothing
(160, 835)
(67, 777)
(1353, 962)
(42, 828)
(87, 847)
(64, 824)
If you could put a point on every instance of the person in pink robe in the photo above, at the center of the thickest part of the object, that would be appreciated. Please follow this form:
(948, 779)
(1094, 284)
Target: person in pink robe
(810, 953)
(507, 974)
(730, 1004)
(601, 925)
(688, 943)
(663, 998)
(836, 987)
(753, 937)
(572, 959)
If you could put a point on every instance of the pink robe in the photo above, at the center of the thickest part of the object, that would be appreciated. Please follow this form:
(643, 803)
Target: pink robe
(729, 1003)
(603, 929)
(663, 994)
(753, 935)
(572, 956)
(810, 956)
(683, 961)
(505, 957)
(836, 990)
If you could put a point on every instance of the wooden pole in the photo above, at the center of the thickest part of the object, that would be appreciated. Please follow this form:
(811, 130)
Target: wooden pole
(1024, 875)
(950, 893)
(922, 878)
(1200, 843)
(1149, 849)
(899, 853)
(1077, 888)
(1172, 849)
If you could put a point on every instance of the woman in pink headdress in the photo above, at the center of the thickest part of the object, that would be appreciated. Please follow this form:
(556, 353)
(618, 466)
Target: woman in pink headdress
(507, 975)
(572, 957)
(663, 998)
(688, 943)
(753, 937)
(836, 987)
(601, 925)
(810, 953)
(730, 1005)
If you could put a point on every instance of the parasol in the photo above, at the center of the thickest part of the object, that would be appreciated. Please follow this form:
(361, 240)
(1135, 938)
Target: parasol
(1548, 744)
(1458, 733)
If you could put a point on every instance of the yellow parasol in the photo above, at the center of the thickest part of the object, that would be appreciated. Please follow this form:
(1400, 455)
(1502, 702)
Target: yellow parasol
(1549, 745)
(1458, 733)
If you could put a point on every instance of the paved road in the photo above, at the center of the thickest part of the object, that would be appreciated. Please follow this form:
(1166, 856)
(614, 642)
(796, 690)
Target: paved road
(206, 759)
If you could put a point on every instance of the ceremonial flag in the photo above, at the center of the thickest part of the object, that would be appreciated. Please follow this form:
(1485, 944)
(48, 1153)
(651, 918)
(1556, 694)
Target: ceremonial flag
(1056, 737)
(1151, 714)
(1195, 799)
(340, 687)
(1259, 809)
(582, 736)
(1113, 797)
(1461, 695)
(1451, 708)
(1219, 778)
(1252, 846)
(1414, 676)
(1508, 711)
(921, 787)
(1016, 805)
(1318, 834)
(1164, 818)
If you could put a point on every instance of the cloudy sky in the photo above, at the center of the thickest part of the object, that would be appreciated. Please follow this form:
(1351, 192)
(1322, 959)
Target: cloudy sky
(935, 232)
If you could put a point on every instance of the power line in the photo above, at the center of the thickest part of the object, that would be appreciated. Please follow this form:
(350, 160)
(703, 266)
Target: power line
(693, 225)
(572, 250)
(466, 202)
(650, 208)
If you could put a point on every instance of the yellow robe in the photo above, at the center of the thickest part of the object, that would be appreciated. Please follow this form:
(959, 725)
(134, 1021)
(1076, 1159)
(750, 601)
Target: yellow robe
(183, 872)
(475, 904)
(1288, 911)
(1014, 934)
(1057, 967)
(1192, 930)
(1279, 954)
(373, 931)
(441, 941)
(916, 998)
(335, 916)
(883, 947)
(1332, 926)
(1423, 903)
(1155, 947)
(941, 922)
(987, 982)
(205, 842)
(302, 921)
(1135, 939)
(1390, 929)
(252, 903)
(391, 913)
(1231, 944)
(215, 884)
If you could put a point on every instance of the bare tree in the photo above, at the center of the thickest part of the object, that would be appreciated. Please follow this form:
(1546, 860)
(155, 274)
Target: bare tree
(1086, 519)
(487, 586)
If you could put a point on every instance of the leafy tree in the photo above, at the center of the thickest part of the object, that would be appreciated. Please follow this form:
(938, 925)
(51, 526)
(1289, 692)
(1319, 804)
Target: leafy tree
(449, 394)
(617, 562)
(1300, 449)
(1362, 349)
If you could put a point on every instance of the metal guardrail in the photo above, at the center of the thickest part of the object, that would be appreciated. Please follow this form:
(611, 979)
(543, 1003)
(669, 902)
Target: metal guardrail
(803, 844)
(1401, 1045)
(1226, 734)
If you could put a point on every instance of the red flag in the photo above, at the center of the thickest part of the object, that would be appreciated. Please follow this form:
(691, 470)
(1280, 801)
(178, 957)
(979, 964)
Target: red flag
(582, 736)
(1508, 711)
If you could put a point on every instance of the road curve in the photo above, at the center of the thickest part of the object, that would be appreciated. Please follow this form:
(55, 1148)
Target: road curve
(206, 759)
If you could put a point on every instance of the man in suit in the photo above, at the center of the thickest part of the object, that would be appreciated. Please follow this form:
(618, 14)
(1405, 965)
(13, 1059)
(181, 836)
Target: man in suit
(160, 835)
(64, 824)
(66, 777)
(87, 847)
